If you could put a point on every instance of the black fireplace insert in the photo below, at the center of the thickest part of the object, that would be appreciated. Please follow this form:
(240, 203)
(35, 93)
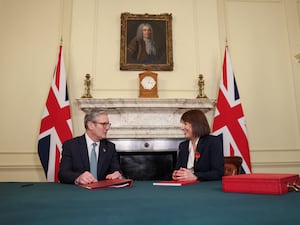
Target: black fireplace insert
(147, 159)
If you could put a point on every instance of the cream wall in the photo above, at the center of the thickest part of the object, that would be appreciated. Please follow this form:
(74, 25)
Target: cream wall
(263, 37)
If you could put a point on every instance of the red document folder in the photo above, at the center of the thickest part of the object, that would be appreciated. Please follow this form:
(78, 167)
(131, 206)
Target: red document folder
(175, 183)
(115, 183)
(260, 183)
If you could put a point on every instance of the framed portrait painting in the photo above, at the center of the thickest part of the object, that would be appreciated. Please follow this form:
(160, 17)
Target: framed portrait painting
(146, 42)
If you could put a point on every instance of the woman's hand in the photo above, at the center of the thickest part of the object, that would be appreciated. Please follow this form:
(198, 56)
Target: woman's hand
(183, 174)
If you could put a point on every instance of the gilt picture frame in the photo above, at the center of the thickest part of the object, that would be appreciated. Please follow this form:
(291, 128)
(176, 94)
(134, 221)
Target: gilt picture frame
(146, 42)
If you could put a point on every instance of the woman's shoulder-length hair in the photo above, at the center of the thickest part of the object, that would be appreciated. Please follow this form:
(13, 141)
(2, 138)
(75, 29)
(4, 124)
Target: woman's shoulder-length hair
(198, 121)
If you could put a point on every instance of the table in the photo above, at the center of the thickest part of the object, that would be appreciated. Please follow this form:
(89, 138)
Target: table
(142, 204)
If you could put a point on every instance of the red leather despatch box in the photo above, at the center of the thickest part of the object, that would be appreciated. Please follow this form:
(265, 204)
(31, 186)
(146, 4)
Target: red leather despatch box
(259, 183)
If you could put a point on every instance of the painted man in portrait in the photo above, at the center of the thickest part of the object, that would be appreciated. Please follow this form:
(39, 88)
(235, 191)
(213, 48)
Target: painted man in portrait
(143, 49)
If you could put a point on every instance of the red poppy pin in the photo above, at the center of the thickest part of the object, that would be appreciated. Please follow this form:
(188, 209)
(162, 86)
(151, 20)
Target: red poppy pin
(197, 156)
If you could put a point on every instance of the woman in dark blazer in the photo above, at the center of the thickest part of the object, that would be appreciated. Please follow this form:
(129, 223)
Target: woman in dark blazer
(201, 156)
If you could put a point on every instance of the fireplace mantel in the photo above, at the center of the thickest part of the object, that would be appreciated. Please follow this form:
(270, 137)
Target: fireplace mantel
(143, 117)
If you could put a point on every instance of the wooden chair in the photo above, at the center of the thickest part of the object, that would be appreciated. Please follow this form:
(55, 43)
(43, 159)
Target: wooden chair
(232, 165)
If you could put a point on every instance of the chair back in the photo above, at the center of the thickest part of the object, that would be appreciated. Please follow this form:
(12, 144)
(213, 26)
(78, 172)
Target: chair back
(232, 165)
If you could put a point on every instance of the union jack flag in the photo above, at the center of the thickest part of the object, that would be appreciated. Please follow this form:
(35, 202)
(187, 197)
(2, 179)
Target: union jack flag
(229, 120)
(56, 124)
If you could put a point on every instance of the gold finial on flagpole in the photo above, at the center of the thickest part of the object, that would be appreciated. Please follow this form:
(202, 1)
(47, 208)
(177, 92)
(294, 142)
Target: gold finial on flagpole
(201, 87)
(61, 40)
(87, 87)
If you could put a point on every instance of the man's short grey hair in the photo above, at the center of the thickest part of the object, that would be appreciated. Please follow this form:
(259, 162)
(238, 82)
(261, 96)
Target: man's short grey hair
(92, 114)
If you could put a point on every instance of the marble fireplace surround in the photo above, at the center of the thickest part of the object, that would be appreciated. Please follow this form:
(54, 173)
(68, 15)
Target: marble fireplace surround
(143, 117)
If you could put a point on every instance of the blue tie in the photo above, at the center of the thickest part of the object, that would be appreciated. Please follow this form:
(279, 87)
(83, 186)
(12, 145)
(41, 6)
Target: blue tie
(93, 161)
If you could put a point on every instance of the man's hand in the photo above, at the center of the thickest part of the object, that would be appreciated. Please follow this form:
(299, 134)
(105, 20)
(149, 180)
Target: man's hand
(114, 175)
(85, 178)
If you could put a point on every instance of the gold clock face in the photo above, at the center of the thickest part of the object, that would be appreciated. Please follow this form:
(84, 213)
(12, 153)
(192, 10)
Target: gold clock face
(148, 82)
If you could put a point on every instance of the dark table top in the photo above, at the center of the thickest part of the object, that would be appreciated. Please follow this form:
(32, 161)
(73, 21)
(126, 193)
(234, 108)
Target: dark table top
(143, 204)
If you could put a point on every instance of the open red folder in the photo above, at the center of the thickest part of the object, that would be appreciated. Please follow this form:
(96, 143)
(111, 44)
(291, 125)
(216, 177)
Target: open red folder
(115, 183)
(175, 183)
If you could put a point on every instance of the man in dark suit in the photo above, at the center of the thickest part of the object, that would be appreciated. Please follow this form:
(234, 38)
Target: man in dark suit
(76, 166)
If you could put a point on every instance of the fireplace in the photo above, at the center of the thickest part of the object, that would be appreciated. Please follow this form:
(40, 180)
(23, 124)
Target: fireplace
(147, 159)
(146, 131)
(146, 118)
